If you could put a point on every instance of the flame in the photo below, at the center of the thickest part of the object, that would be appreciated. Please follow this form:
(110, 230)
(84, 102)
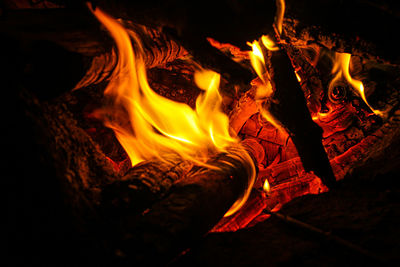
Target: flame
(280, 13)
(297, 76)
(266, 186)
(269, 43)
(341, 70)
(264, 90)
(257, 60)
(155, 126)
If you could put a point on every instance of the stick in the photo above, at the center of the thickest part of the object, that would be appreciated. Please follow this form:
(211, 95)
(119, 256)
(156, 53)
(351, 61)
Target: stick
(325, 235)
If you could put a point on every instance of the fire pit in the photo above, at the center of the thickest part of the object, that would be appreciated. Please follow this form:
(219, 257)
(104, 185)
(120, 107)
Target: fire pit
(155, 133)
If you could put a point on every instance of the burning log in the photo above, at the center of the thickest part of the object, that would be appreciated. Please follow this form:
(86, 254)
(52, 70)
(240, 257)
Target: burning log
(142, 186)
(288, 106)
(191, 208)
(168, 206)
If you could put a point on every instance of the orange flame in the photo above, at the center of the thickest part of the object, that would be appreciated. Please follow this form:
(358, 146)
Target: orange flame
(341, 70)
(158, 126)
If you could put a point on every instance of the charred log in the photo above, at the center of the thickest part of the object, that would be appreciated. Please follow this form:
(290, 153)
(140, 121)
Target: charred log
(288, 106)
(142, 186)
(191, 208)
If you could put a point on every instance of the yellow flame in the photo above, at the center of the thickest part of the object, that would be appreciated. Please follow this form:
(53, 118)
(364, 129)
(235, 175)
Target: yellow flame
(341, 70)
(280, 15)
(264, 90)
(269, 43)
(297, 76)
(266, 186)
(154, 125)
(267, 40)
(257, 60)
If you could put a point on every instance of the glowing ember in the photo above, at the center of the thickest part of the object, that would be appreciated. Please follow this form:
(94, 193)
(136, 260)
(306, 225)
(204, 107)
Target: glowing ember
(341, 70)
(158, 126)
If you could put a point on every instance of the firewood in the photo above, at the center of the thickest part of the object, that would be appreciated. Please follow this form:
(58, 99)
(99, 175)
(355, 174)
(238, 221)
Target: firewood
(143, 185)
(288, 105)
(190, 209)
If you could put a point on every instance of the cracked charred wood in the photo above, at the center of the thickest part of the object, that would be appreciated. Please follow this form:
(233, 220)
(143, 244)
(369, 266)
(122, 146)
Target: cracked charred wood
(191, 208)
(364, 28)
(159, 49)
(288, 105)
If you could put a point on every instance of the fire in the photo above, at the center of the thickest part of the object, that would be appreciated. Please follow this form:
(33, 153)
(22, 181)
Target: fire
(269, 43)
(280, 15)
(264, 89)
(267, 40)
(341, 70)
(257, 60)
(158, 126)
(266, 186)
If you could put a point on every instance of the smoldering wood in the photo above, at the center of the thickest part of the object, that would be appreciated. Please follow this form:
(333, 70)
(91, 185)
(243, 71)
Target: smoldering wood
(288, 105)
